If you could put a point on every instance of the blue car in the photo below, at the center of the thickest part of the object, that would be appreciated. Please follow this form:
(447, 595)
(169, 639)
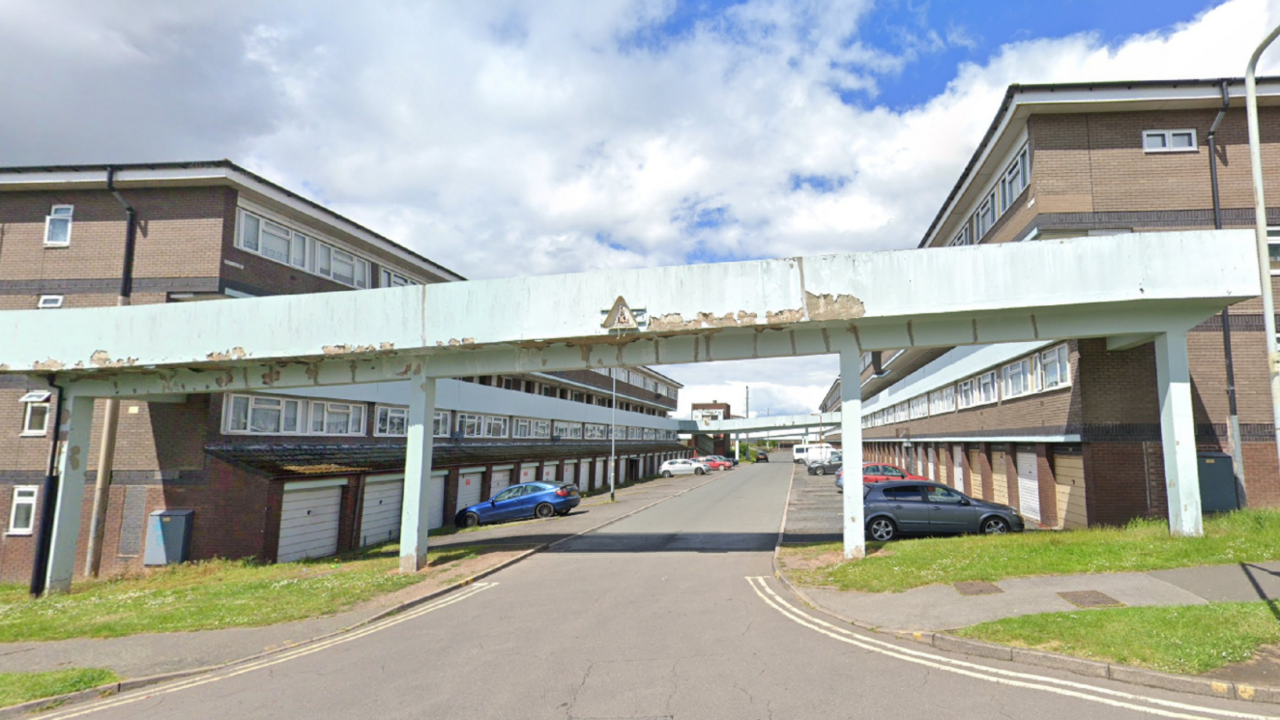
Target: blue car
(533, 499)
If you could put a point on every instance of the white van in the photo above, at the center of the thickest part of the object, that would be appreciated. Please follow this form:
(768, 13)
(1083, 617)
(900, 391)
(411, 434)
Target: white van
(813, 452)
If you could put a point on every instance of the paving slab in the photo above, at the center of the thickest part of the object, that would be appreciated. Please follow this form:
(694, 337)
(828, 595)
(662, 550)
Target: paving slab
(1244, 582)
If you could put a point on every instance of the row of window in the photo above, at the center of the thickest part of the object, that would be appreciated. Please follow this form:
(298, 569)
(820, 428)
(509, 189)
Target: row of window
(561, 392)
(639, 380)
(1046, 370)
(997, 201)
(264, 415)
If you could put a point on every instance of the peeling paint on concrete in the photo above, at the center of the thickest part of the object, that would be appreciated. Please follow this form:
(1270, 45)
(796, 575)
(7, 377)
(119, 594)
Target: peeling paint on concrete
(829, 307)
(702, 321)
(235, 353)
(271, 376)
(785, 317)
(73, 457)
(387, 346)
(345, 349)
(49, 364)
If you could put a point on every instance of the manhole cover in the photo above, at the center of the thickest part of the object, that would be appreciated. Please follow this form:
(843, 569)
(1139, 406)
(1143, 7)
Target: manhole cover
(1090, 599)
(977, 588)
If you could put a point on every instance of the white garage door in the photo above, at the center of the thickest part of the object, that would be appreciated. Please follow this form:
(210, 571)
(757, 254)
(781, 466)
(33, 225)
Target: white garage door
(469, 486)
(957, 452)
(309, 523)
(528, 473)
(584, 475)
(569, 472)
(380, 517)
(933, 466)
(501, 479)
(601, 478)
(1028, 485)
(549, 472)
(435, 499)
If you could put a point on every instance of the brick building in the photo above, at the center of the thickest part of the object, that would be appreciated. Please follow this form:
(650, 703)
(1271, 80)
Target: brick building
(1069, 431)
(283, 475)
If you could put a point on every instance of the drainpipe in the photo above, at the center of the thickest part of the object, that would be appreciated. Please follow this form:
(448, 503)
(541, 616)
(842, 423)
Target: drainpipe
(111, 413)
(1234, 443)
(48, 502)
(1260, 225)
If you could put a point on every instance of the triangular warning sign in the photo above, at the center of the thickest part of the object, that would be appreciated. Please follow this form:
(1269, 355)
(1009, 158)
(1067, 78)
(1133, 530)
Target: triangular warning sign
(620, 317)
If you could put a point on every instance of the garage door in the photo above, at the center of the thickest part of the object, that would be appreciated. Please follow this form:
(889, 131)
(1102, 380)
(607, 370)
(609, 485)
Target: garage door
(601, 480)
(309, 522)
(584, 475)
(570, 475)
(999, 481)
(501, 479)
(380, 516)
(549, 472)
(469, 485)
(1028, 485)
(528, 473)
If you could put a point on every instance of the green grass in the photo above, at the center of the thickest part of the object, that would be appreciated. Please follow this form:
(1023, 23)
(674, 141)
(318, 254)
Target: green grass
(212, 594)
(22, 687)
(1244, 536)
(1189, 639)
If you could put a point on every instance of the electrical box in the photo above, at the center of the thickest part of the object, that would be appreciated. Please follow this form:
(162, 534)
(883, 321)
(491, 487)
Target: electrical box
(1217, 483)
(168, 537)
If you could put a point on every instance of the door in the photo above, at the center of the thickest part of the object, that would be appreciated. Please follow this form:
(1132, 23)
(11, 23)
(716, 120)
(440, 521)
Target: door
(908, 507)
(948, 511)
(528, 473)
(506, 504)
(999, 480)
(1028, 485)
(975, 474)
(309, 523)
(584, 475)
(469, 486)
(933, 465)
(380, 515)
(957, 467)
(570, 473)
(601, 479)
(549, 472)
(499, 482)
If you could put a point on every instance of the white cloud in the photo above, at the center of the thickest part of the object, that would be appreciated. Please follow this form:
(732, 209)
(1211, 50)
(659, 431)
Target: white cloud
(512, 138)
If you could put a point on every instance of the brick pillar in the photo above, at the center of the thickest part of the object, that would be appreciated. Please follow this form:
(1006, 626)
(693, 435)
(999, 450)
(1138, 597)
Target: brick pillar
(1048, 486)
(988, 482)
(451, 494)
(1011, 474)
(486, 483)
(348, 514)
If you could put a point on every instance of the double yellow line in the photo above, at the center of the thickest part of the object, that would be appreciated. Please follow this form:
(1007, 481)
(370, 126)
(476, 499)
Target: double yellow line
(275, 659)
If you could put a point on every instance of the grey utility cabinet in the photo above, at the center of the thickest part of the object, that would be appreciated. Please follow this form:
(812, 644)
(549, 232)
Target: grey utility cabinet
(168, 537)
(1217, 483)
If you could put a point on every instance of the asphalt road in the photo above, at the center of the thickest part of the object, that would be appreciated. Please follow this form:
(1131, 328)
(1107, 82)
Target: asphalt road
(671, 613)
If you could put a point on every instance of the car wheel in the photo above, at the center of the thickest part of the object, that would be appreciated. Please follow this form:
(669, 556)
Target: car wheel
(819, 471)
(697, 471)
(882, 529)
(994, 526)
(470, 520)
(544, 510)
(666, 473)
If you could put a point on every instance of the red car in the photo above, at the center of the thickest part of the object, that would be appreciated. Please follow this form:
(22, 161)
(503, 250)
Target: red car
(880, 472)
(713, 463)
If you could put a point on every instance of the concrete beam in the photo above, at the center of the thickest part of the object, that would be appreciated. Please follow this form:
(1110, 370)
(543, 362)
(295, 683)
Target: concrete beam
(77, 421)
(1178, 435)
(757, 424)
(1128, 342)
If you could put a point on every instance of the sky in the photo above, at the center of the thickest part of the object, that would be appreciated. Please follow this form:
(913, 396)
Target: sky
(508, 138)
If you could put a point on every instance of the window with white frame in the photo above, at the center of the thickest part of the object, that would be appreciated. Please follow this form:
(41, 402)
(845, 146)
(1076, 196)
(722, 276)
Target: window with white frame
(57, 226)
(521, 428)
(49, 302)
(470, 424)
(942, 400)
(495, 426)
(988, 388)
(1015, 179)
(22, 512)
(542, 428)
(562, 429)
(278, 242)
(901, 412)
(633, 433)
(35, 421)
(440, 424)
(594, 431)
(964, 237)
(1273, 249)
(391, 421)
(261, 415)
(1017, 378)
(388, 278)
(965, 394)
(1154, 141)
(329, 418)
(985, 218)
(1054, 370)
(919, 407)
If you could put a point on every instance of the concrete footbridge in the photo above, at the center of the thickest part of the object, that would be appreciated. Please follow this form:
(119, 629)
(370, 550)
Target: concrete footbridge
(1130, 289)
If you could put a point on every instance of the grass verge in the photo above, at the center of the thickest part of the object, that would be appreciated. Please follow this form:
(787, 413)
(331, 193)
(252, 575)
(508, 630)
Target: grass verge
(216, 594)
(1184, 639)
(1142, 545)
(23, 687)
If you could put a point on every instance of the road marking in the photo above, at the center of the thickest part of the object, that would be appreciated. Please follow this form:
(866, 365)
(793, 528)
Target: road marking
(276, 659)
(1115, 698)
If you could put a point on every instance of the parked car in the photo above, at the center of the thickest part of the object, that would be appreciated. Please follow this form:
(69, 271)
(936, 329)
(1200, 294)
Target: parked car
(714, 462)
(831, 465)
(801, 453)
(879, 472)
(532, 499)
(733, 462)
(681, 466)
(914, 508)
(762, 456)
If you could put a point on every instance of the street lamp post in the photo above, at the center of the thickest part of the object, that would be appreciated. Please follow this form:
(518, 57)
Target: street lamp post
(1260, 224)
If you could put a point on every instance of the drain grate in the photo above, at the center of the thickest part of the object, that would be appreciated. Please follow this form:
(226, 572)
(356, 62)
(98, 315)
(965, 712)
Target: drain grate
(976, 588)
(1090, 599)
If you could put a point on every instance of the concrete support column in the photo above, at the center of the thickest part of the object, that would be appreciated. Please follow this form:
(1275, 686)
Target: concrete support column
(855, 542)
(71, 474)
(414, 517)
(1178, 434)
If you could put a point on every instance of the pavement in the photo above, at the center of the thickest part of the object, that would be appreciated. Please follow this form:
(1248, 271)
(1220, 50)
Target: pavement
(671, 612)
(161, 653)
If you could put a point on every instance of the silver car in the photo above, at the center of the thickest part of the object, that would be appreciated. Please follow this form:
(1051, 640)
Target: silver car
(681, 467)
